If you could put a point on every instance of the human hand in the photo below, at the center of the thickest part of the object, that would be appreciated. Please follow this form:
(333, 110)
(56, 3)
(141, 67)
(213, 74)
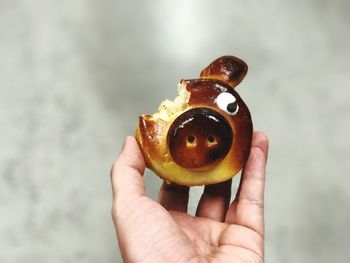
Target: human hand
(149, 231)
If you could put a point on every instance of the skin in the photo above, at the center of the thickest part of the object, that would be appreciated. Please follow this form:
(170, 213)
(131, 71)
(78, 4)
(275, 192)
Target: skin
(150, 231)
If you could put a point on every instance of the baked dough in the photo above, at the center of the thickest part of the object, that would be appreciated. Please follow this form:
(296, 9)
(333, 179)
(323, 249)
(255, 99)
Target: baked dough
(204, 135)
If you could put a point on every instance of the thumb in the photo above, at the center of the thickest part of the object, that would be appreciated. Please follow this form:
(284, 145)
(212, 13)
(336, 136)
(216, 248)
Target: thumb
(127, 171)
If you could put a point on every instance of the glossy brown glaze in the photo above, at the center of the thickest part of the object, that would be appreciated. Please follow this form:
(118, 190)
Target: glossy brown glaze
(199, 137)
(228, 69)
(201, 143)
(204, 92)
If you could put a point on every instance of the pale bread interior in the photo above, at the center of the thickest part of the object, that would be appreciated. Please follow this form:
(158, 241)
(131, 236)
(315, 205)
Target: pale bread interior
(169, 109)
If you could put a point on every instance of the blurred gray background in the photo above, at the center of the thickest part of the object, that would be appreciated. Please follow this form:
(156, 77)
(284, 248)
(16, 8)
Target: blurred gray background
(75, 75)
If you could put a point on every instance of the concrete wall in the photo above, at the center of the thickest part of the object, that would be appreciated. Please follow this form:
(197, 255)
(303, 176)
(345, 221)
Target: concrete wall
(74, 76)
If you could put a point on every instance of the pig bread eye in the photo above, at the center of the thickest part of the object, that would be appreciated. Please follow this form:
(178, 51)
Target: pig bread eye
(227, 102)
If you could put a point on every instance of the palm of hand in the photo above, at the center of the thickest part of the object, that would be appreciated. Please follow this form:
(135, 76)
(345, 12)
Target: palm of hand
(178, 237)
(149, 231)
(220, 242)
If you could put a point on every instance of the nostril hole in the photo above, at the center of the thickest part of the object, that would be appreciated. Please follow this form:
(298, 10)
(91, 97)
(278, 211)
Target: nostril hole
(191, 139)
(211, 139)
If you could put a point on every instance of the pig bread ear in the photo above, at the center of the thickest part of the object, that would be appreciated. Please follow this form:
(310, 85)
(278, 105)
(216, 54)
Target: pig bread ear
(228, 69)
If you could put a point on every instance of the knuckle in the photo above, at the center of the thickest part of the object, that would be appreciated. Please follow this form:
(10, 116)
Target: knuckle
(252, 202)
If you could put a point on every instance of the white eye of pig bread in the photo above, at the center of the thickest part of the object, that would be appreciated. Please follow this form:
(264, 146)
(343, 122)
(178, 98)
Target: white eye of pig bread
(227, 102)
(169, 109)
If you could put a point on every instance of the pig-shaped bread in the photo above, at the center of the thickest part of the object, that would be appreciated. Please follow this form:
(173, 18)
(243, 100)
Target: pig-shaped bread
(204, 136)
